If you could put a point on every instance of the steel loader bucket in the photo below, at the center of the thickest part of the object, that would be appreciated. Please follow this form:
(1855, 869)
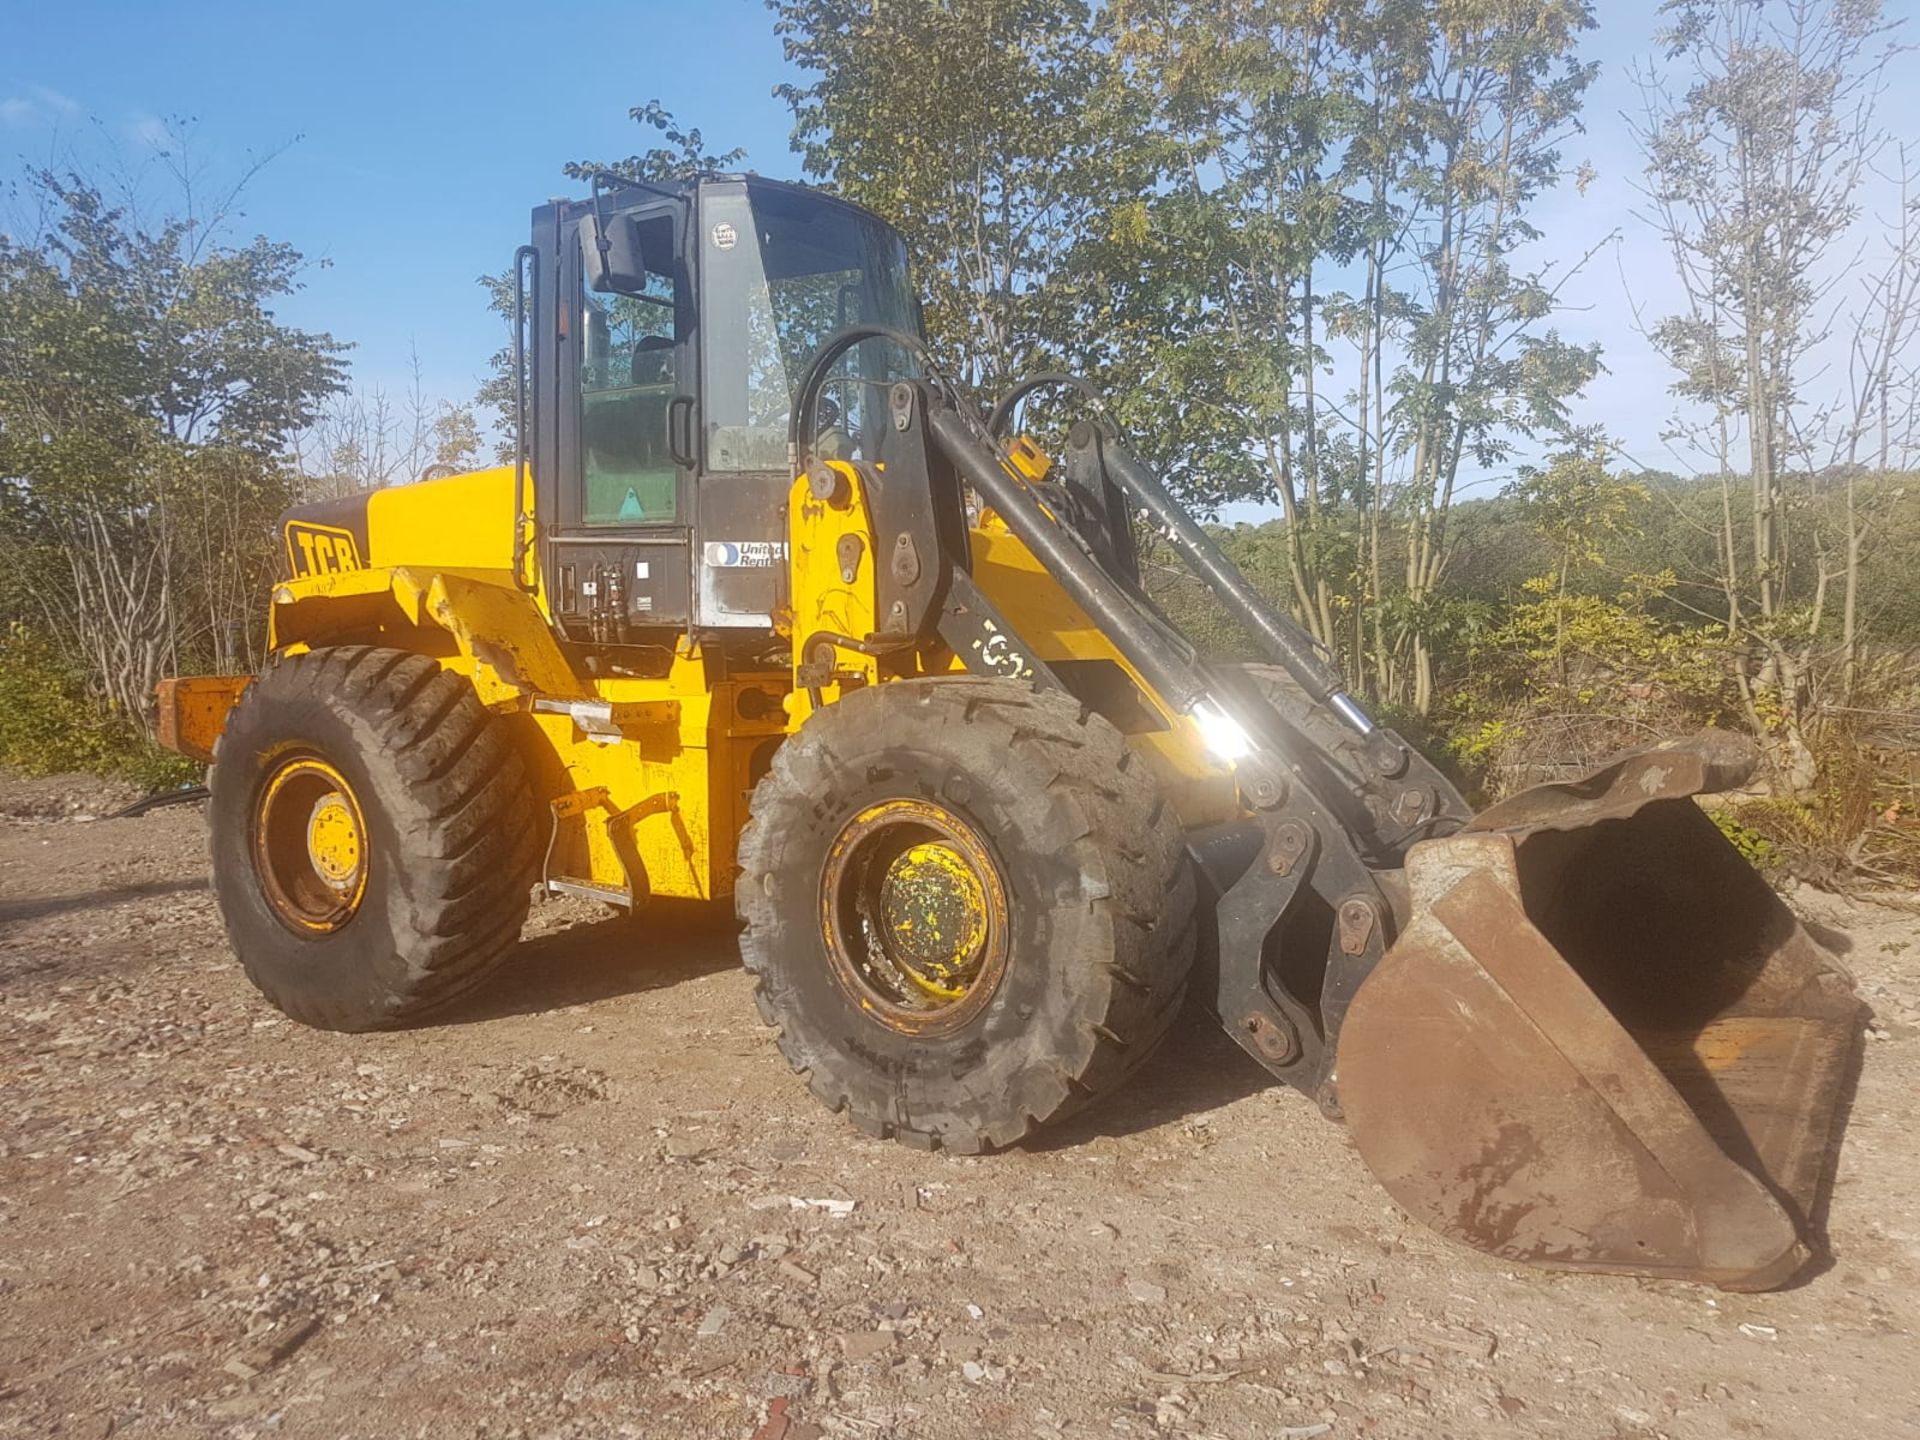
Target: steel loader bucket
(1601, 1042)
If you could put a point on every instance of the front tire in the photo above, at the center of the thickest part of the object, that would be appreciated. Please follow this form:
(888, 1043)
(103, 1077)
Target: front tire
(968, 910)
(372, 837)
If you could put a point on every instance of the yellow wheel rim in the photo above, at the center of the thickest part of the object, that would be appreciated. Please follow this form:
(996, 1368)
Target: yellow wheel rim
(333, 840)
(913, 912)
(935, 909)
(310, 845)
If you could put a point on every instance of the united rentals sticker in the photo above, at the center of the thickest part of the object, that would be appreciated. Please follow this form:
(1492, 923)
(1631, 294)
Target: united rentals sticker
(745, 554)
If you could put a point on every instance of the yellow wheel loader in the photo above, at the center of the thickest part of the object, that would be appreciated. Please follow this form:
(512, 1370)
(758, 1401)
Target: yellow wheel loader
(766, 608)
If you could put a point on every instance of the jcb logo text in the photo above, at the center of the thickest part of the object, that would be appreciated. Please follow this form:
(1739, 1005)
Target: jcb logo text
(320, 550)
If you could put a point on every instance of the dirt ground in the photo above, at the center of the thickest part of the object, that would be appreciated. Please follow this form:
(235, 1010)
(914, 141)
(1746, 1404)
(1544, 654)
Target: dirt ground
(594, 1203)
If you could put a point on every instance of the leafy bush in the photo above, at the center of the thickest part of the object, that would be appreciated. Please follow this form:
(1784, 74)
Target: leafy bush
(49, 725)
(1754, 847)
(1859, 822)
(1568, 679)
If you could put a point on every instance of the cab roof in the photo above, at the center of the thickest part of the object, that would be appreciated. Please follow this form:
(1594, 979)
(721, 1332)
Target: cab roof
(687, 187)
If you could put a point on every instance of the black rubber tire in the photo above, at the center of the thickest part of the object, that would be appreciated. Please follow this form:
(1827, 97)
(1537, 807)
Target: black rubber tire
(1100, 899)
(451, 840)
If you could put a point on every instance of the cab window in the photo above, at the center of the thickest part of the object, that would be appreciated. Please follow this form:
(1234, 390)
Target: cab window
(627, 383)
(782, 272)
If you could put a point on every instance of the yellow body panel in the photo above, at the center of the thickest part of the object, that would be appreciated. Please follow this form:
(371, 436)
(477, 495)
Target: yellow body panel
(1046, 617)
(461, 522)
(833, 590)
(675, 757)
(830, 590)
(645, 781)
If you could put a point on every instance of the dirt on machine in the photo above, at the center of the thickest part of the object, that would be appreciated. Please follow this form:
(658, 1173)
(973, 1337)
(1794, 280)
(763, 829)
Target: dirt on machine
(769, 609)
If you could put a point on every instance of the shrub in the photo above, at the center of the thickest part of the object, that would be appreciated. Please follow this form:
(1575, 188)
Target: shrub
(1754, 847)
(1567, 680)
(1857, 823)
(49, 725)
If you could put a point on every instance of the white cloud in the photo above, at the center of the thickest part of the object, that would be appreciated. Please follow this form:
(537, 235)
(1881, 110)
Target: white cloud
(53, 100)
(150, 131)
(40, 103)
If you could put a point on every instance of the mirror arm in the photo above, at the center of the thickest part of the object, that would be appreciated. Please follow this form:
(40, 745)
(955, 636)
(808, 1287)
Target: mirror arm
(600, 240)
(603, 178)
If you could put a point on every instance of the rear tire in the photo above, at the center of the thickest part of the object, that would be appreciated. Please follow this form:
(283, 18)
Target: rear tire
(428, 889)
(1090, 906)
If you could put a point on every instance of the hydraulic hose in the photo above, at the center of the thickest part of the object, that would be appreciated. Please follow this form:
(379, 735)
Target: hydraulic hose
(1285, 643)
(1174, 676)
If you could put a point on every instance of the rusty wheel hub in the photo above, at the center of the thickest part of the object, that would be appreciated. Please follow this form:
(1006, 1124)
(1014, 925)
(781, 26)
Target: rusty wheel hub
(913, 912)
(310, 845)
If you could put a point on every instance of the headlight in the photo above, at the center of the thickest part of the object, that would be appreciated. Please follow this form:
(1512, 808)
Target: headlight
(1223, 734)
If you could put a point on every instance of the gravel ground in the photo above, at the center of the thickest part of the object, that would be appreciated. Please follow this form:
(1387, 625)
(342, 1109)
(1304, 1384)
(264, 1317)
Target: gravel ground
(593, 1203)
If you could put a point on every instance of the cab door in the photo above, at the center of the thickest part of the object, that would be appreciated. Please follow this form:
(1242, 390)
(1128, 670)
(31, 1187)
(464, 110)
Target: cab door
(740, 577)
(619, 418)
(782, 269)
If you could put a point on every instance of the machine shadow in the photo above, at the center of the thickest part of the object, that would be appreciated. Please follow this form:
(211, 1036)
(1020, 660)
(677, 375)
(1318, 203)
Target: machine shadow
(1837, 941)
(670, 942)
(1196, 1070)
(13, 912)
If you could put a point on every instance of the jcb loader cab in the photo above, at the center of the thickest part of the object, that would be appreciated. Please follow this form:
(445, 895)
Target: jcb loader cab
(767, 607)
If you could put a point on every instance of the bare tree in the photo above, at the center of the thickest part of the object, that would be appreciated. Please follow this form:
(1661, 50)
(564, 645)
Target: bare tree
(1754, 159)
(367, 440)
(1883, 399)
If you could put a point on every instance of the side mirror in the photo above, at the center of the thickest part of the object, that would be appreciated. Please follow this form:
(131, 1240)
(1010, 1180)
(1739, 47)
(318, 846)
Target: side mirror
(612, 257)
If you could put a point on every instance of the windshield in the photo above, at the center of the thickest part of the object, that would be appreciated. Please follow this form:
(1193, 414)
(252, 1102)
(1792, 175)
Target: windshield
(781, 271)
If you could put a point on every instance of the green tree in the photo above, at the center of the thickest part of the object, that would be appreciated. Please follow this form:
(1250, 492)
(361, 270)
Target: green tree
(148, 402)
(1576, 506)
(1298, 138)
(683, 156)
(987, 131)
(1222, 317)
(1481, 372)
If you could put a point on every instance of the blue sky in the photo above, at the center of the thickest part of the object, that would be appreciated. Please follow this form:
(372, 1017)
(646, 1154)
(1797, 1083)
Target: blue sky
(425, 132)
(417, 136)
